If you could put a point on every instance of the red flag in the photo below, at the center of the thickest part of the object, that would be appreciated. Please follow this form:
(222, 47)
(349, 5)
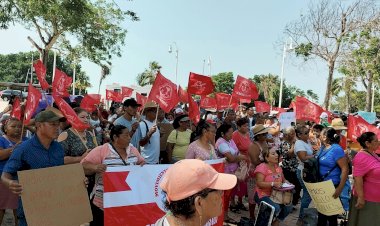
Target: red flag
(70, 114)
(262, 106)
(40, 69)
(164, 92)
(182, 94)
(114, 96)
(307, 110)
(245, 88)
(357, 126)
(126, 91)
(16, 109)
(61, 83)
(280, 110)
(208, 102)
(34, 96)
(194, 113)
(90, 101)
(200, 84)
(224, 101)
(141, 100)
(245, 101)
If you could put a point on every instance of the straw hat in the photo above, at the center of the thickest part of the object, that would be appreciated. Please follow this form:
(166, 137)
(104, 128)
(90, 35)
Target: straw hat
(259, 129)
(150, 104)
(338, 124)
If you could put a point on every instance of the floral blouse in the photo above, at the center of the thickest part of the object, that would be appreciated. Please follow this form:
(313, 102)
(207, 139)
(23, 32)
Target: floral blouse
(288, 162)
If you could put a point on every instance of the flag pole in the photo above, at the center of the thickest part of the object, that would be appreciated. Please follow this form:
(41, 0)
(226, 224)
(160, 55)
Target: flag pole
(23, 125)
(158, 108)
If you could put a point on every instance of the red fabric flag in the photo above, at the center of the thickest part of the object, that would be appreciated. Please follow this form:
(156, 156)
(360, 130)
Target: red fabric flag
(182, 94)
(114, 96)
(164, 92)
(40, 69)
(224, 101)
(34, 96)
(200, 84)
(262, 106)
(61, 83)
(307, 110)
(356, 126)
(194, 113)
(280, 110)
(141, 100)
(16, 109)
(126, 91)
(70, 114)
(208, 102)
(245, 101)
(245, 88)
(90, 101)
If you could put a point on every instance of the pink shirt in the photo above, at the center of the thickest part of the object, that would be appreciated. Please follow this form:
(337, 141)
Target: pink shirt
(368, 167)
(269, 176)
(196, 151)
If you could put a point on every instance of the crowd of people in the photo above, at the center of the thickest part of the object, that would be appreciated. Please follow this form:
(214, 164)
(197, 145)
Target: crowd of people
(261, 155)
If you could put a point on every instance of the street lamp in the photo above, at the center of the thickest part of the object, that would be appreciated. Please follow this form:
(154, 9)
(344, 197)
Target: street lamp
(373, 97)
(287, 47)
(176, 56)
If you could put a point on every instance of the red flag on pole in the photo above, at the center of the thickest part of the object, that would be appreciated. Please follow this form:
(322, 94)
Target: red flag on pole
(208, 102)
(194, 113)
(357, 126)
(280, 110)
(307, 110)
(164, 92)
(126, 91)
(70, 114)
(245, 88)
(61, 83)
(262, 106)
(90, 101)
(34, 96)
(141, 100)
(40, 69)
(224, 101)
(16, 109)
(182, 94)
(114, 96)
(200, 84)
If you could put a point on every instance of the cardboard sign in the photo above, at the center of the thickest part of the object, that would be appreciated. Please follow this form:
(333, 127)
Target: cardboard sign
(322, 195)
(286, 119)
(55, 196)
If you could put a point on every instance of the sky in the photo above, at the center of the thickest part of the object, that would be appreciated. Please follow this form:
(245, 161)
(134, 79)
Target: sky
(240, 36)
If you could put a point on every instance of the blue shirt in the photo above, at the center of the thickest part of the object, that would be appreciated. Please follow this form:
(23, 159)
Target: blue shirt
(124, 122)
(31, 154)
(5, 144)
(328, 160)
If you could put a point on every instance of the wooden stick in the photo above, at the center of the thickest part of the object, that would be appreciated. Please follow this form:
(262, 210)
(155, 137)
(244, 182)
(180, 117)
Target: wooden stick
(158, 108)
(229, 104)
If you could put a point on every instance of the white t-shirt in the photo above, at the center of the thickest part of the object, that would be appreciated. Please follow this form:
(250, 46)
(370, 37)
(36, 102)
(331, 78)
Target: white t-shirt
(299, 146)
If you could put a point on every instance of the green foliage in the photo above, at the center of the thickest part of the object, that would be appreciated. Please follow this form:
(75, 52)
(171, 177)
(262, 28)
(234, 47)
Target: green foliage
(224, 82)
(15, 67)
(149, 75)
(304, 50)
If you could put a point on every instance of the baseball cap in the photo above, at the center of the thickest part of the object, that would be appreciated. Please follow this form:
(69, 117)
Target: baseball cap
(190, 176)
(131, 102)
(49, 116)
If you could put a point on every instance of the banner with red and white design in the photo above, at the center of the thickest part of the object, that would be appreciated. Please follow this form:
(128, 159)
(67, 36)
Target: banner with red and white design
(132, 195)
(61, 83)
(34, 96)
(356, 126)
(307, 110)
(40, 69)
(226, 101)
(164, 92)
(245, 88)
(200, 84)
(208, 103)
(262, 106)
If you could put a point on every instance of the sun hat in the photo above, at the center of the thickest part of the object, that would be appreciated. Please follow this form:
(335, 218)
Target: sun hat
(324, 115)
(259, 129)
(337, 124)
(150, 104)
(190, 176)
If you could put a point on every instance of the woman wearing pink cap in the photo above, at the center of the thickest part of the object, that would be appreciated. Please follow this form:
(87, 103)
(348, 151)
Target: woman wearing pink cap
(194, 193)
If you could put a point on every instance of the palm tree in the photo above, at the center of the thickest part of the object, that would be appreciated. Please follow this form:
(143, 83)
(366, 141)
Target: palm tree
(149, 75)
(104, 72)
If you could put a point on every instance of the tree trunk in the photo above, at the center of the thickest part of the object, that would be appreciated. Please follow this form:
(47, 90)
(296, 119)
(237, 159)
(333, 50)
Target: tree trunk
(348, 100)
(329, 85)
(368, 98)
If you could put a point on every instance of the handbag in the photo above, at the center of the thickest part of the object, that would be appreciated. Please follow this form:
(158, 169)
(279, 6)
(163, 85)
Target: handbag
(242, 171)
(282, 196)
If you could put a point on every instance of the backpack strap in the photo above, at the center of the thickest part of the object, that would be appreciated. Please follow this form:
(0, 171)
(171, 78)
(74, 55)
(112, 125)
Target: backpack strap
(147, 129)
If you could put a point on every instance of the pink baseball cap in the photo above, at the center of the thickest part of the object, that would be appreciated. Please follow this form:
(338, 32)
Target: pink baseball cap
(190, 176)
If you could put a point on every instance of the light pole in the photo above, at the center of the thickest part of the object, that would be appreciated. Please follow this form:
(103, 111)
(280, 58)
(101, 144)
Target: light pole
(203, 70)
(54, 64)
(287, 47)
(373, 97)
(209, 65)
(176, 56)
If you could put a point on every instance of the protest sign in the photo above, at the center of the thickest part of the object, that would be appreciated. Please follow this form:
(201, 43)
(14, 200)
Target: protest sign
(322, 195)
(370, 117)
(55, 196)
(135, 191)
(286, 119)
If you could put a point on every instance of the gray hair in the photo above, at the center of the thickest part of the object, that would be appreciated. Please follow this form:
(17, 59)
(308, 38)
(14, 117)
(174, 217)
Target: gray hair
(288, 130)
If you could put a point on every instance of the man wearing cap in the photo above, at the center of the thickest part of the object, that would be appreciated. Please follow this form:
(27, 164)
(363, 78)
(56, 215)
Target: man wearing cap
(148, 135)
(41, 151)
(128, 119)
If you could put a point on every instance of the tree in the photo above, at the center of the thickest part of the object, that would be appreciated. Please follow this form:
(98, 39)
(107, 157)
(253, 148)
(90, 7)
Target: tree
(16, 67)
(311, 95)
(269, 86)
(224, 82)
(149, 75)
(95, 25)
(321, 31)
